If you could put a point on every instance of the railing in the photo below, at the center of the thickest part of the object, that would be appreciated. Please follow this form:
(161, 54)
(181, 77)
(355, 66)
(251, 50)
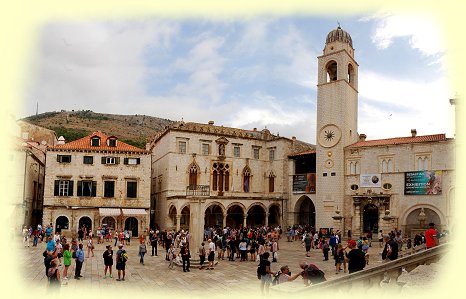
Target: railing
(374, 278)
(198, 190)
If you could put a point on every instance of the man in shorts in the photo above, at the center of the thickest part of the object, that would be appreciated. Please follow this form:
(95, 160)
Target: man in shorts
(121, 262)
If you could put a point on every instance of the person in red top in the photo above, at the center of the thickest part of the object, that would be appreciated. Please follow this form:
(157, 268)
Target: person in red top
(431, 236)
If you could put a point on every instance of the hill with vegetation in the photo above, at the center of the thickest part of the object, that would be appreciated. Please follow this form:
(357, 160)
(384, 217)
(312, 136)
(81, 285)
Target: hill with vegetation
(136, 129)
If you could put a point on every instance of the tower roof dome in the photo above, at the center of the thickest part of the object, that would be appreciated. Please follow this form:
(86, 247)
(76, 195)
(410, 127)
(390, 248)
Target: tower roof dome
(339, 35)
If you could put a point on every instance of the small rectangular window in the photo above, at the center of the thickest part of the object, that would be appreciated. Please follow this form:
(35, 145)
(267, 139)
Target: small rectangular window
(64, 158)
(182, 147)
(256, 152)
(88, 160)
(236, 151)
(205, 149)
(272, 154)
(63, 188)
(112, 142)
(131, 189)
(110, 160)
(87, 188)
(132, 161)
(95, 141)
(333, 174)
(109, 189)
(324, 174)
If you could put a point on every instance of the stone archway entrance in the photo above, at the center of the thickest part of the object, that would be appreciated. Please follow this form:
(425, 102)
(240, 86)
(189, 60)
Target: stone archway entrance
(274, 215)
(414, 225)
(131, 224)
(85, 222)
(109, 222)
(235, 216)
(305, 212)
(256, 216)
(370, 218)
(213, 216)
(62, 222)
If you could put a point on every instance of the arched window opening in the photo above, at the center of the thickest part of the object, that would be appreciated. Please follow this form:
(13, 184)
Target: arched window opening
(332, 71)
(193, 171)
(350, 76)
(271, 182)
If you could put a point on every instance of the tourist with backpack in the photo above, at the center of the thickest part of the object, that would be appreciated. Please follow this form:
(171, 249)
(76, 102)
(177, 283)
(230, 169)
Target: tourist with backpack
(121, 258)
(311, 273)
(54, 276)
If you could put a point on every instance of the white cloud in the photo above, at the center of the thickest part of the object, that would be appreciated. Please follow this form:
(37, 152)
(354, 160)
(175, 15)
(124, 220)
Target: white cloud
(391, 108)
(424, 32)
(253, 37)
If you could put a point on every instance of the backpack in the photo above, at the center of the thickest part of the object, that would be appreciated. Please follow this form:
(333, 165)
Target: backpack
(275, 278)
(314, 274)
(361, 262)
(123, 256)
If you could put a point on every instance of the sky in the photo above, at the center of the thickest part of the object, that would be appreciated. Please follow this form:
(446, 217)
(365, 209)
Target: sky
(257, 72)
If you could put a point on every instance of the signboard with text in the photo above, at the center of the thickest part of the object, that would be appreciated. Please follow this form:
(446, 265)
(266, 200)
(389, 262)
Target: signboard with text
(371, 180)
(423, 182)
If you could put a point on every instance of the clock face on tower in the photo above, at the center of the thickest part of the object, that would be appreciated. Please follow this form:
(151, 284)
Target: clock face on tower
(329, 136)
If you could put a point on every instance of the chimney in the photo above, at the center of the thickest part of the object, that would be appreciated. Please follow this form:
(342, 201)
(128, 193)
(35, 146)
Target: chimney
(362, 137)
(413, 132)
(211, 122)
(61, 140)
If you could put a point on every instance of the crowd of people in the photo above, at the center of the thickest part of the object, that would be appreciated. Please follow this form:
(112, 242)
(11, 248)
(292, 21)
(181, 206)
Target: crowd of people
(253, 244)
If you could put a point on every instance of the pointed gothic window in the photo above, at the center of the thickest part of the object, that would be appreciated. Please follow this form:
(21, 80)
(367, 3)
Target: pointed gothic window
(193, 171)
(271, 182)
(246, 179)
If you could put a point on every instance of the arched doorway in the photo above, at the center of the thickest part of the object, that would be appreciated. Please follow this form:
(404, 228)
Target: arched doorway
(131, 224)
(256, 216)
(274, 215)
(109, 222)
(185, 217)
(370, 218)
(305, 212)
(172, 217)
(213, 216)
(62, 222)
(85, 222)
(234, 216)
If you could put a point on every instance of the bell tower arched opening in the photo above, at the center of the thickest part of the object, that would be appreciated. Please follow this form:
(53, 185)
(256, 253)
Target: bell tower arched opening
(332, 71)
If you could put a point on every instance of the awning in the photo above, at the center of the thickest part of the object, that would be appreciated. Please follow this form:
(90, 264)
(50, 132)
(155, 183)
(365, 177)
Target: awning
(109, 211)
(134, 212)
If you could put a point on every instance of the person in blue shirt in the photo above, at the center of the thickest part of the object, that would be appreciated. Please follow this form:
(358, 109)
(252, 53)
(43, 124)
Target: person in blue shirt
(48, 231)
(79, 261)
(50, 244)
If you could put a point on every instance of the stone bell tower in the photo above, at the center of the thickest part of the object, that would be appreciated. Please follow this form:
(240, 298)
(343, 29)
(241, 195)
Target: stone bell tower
(337, 114)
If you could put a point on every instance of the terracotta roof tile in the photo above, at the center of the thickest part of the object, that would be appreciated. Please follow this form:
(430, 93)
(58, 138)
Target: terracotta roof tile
(85, 144)
(400, 140)
(309, 152)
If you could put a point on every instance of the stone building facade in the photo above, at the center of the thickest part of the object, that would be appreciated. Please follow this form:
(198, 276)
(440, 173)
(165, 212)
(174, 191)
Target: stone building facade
(208, 175)
(97, 180)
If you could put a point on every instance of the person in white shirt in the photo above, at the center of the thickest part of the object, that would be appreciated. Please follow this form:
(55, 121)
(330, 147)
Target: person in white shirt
(211, 256)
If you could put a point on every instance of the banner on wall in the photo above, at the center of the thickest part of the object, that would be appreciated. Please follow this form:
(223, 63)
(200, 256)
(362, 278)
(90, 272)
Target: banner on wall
(371, 180)
(304, 183)
(424, 182)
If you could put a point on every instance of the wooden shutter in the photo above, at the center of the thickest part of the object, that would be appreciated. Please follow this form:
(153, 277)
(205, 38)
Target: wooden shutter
(138, 160)
(80, 187)
(125, 161)
(94, 188)
(117, 160)
(70, 188)
(104, 160)
(56, 187)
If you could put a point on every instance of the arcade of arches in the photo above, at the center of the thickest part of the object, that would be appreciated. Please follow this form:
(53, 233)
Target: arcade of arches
(305, 211)
(235, 215)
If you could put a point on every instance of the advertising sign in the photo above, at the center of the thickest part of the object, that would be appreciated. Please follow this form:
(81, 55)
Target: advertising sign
(371, 180)
(423, 182)
(304, 183)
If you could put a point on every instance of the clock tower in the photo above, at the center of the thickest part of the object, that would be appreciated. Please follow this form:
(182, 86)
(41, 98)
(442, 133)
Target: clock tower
(337, 113)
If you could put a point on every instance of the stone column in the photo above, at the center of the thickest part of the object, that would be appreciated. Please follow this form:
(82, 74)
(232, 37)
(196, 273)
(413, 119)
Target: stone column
(356, 229)
(245, 217)
(196, 225)
(267, 219)
(224, 220)
(178, 219)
